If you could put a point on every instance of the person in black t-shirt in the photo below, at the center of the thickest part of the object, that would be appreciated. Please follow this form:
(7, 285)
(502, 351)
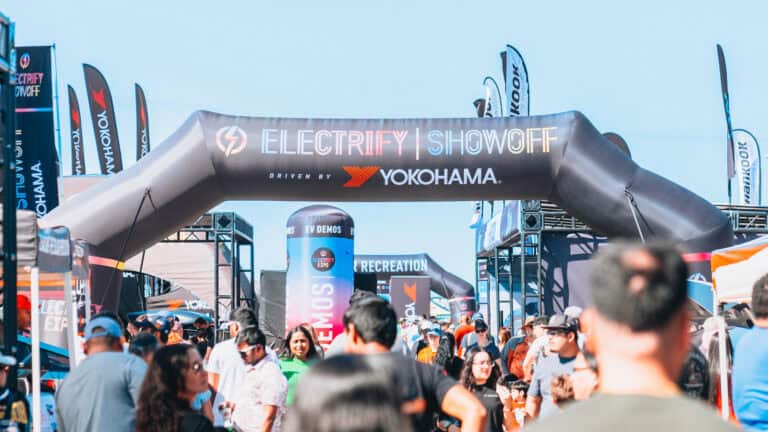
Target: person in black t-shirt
(480, 376)
(371, 328)
(174, 378)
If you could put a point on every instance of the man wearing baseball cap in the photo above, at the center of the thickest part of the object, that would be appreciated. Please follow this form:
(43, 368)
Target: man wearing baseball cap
(563, 344)
(102, 392)
(428, 353)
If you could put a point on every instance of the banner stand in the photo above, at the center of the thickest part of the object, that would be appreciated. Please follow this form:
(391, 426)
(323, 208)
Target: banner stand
(35, 330)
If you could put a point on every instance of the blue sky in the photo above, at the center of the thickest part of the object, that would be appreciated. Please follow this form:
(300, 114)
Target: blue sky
(646, 70)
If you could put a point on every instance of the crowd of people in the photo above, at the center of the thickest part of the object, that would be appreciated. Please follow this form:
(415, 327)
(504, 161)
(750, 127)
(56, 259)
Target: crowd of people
(615, 365)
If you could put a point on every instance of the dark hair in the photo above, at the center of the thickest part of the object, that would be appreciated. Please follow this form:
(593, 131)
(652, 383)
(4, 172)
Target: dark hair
(374, 320)
(504, 336)
(359, 295)
(143, 344)
(561, 389)
(160, 408)
(760, 298)
(251, 336)
(468, 380)
(445, 357)
(645, 307)
(286, 351)
(346, 393)
(245, 316)
(713, 358)
(201, 320)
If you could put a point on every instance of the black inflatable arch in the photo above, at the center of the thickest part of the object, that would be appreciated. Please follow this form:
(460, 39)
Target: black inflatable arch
(214, 158)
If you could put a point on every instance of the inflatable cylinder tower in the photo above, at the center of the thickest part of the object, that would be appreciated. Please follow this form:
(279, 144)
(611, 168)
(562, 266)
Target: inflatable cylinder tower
(320, 276)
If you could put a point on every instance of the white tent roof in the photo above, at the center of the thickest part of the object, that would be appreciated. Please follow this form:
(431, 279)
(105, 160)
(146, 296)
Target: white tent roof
(735, 269)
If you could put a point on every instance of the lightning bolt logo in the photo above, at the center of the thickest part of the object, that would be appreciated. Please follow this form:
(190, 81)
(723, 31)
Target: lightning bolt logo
(231, 140)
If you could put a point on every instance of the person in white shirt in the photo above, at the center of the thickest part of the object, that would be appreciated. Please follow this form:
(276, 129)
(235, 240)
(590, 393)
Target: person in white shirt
(225, 368)
(261, 401)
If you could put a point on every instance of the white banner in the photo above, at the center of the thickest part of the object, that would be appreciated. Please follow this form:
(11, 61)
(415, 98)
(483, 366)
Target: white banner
(748, 170)
(515, 83)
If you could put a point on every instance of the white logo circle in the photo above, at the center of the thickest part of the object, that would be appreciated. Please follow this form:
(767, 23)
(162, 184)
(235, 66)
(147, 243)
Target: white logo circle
(231, 140)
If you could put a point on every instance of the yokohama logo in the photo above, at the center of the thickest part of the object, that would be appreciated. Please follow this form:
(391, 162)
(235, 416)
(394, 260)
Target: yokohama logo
(420, 176)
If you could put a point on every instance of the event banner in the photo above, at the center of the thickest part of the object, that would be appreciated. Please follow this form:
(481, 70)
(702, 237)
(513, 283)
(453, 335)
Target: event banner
(76, 134)
(748, 167)
(103, 119)
(409, 295)
(498, 229)
(142, 124)
(727, 108)
(515, 82)
(320, 275)
(54, 252)
(37, 163)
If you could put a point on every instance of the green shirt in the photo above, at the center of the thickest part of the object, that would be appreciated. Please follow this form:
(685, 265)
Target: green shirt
(292, 369)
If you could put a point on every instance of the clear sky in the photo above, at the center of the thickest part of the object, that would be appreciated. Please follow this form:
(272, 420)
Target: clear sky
(647, 70)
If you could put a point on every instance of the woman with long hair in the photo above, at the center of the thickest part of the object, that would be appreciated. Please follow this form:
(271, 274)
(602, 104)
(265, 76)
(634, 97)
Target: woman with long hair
(446, 358)
(174, 378)
(297, 355)
(346, 393)
(480, 376)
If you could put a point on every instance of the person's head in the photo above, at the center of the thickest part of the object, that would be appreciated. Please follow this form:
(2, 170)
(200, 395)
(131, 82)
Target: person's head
(200, 323)
(251, 343)
(504, 336)
(132, 329)
(479, 369)
(346, 394)
(308, 327)
(481, 330)
(538, 326)
(528, 327)
(445, 349)
(6, 363)
(173, 379)
(144, 345)
(299, 344)
(562, 390)
(584, 377)
(465, 319)
(639, 294)
(433, 337)
(563, 335)
(103, 334)
(518, 389)
(370, 324)
(23, 312)
(760, 298)
(241, 318)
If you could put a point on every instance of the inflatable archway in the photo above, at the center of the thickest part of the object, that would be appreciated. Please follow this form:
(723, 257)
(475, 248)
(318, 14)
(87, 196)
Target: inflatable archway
(214, 158)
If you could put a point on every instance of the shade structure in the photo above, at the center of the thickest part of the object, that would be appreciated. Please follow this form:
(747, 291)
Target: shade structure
(735, 269)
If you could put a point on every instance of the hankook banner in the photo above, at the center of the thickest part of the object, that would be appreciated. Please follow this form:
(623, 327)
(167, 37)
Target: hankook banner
(142, 124)
(37, 162)
(515, 82)
(76, 134)
(748, 167)
(103, 119)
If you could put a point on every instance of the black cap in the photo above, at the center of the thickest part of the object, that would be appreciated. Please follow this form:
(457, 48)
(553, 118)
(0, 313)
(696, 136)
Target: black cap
(562, 322)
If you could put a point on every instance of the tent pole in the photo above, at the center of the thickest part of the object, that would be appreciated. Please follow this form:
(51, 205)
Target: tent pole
(35, 328)
(71, 320)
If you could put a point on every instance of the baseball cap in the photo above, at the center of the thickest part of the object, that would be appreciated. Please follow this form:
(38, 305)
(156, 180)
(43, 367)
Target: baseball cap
(562, 322)
(7, 360)
(573, 312)
(102, 326)
(425, 325)
(435, 330)
(23, 303)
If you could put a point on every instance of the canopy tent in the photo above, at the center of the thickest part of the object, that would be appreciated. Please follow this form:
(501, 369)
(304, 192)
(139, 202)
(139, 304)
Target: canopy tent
(179, 298)
(189, 267)
(735, 269)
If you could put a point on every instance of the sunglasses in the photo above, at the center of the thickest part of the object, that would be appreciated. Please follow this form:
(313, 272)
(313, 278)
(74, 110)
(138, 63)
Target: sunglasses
(244, 352)
(481, 330)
